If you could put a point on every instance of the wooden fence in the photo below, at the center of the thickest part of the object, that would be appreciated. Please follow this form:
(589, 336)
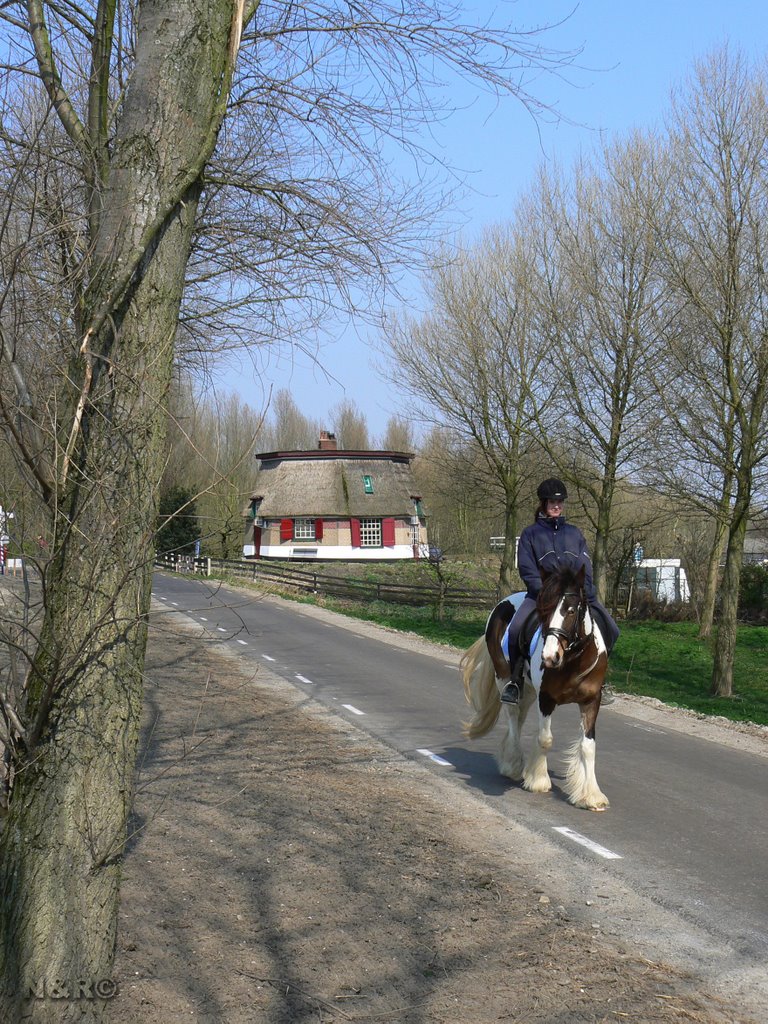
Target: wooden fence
(308, 581)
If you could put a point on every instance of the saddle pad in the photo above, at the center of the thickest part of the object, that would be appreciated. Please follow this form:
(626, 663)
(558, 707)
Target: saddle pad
(534, 641)
(529, 643)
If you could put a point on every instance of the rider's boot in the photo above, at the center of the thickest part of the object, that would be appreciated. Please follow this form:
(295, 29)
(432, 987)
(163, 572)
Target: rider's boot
(513, 691)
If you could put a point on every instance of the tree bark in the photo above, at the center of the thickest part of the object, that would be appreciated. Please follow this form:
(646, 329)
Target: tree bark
(713, 571)
(725, 643)
(603, 526)
(508, 575)
(63, 840)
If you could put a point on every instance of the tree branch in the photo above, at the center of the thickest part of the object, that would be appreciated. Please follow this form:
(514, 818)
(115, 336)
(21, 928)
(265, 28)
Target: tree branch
(51, 79)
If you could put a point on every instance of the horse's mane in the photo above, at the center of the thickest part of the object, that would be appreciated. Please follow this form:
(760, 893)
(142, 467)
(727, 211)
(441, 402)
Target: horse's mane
(553, 588)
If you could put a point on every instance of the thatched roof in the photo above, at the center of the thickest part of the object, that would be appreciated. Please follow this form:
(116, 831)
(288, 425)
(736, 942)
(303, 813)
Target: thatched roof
(331, 483)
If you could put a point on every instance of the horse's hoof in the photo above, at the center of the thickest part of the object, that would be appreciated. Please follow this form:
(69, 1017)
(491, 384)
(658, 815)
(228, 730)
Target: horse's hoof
(537, 787)
(600, 805)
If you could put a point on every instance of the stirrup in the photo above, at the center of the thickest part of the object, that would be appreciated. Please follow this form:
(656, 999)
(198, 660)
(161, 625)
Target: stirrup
(608, 696)
(511, 693)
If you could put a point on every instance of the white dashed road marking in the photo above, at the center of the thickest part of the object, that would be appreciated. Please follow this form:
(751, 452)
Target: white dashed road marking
(302, 679)
(577, 837)
(243, 642)
(434, 757)
(266, 657)
(353, 709)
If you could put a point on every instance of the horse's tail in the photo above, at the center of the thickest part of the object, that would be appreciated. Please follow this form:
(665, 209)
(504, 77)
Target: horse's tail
(479, 679)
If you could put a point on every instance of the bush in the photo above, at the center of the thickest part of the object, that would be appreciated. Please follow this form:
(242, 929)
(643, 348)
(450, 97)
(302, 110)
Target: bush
(182, 529)
(753, 592)
(646, 607)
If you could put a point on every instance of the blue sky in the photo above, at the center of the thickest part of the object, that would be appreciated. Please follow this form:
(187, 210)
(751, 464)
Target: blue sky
(632, 56)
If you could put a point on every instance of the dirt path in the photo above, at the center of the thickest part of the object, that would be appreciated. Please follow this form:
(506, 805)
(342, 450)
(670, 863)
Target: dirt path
(286, 868)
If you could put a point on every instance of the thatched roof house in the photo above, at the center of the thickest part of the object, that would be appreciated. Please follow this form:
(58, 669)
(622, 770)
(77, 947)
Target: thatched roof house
(335, 504)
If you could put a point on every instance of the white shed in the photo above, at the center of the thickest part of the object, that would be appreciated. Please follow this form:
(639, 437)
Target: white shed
(664, 578)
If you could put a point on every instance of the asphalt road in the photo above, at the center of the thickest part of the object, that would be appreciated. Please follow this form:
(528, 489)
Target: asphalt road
(688, 822)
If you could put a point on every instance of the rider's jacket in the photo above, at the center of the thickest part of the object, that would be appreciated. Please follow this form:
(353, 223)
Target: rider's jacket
(551, 543)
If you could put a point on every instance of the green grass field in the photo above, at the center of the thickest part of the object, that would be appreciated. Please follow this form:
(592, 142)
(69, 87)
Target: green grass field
(667, 661)
(652, 659)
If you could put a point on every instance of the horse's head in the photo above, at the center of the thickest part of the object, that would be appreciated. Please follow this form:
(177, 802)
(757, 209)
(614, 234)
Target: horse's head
(561, 606)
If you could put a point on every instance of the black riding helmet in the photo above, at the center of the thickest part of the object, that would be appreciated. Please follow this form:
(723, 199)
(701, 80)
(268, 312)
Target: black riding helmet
(552, 490)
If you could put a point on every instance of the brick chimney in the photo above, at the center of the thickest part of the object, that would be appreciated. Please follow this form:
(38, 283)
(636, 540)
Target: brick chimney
(327, 442)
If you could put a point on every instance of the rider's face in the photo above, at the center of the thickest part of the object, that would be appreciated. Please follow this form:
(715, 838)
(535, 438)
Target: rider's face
(555, 507)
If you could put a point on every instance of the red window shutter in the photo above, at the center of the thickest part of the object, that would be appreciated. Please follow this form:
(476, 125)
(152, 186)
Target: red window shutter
(286, 529)
(354, 525)
(388, 532)
(318, 529)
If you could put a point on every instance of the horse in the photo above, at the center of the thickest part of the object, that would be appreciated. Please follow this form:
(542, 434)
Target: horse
(567, 664)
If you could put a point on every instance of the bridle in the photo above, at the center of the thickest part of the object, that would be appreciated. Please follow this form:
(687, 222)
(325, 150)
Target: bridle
(574, 637)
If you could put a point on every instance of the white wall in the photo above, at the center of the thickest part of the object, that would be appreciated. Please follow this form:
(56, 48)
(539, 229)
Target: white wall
(671, 583)
(330, 552)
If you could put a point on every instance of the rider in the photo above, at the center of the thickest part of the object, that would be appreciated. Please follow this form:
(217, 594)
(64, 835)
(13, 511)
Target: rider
(549, 543)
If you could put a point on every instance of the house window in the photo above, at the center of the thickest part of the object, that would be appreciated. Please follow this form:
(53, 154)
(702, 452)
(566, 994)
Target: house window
(368, 484)
(304, 529)
(370, 533)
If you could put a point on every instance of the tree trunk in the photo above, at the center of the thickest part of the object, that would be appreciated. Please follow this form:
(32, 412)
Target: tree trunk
(600, 552)
(605, 505)
(64, 837)
(508, 576)
(725, 644)
(713, 568)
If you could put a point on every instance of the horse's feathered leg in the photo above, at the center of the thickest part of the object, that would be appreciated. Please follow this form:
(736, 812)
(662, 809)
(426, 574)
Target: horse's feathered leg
(580, 783)
(536, 778)
(510, 757)
(535, 771)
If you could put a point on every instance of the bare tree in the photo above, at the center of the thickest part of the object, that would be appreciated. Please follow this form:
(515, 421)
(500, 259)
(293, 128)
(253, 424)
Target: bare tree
(398, 436)
(291, 429)
(350, 426)
(91, 439)
(478, 365)
(461, 503)
(117, 162)
(714, 235)
(228, 433)
(604, 314)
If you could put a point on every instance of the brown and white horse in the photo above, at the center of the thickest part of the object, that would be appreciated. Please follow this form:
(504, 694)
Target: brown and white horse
(566, 666)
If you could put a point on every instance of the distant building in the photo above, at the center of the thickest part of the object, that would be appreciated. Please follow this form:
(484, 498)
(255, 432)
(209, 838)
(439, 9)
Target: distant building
(756, 544)
(334, 504)
(664, 578)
